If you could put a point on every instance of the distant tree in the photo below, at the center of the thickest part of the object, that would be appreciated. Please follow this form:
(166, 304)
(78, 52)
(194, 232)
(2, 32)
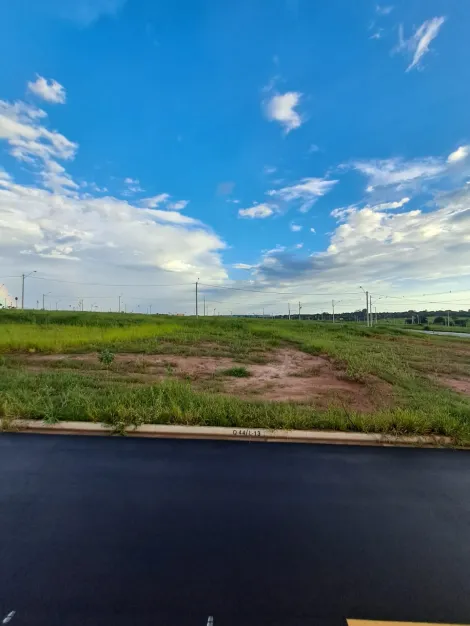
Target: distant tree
(408, 320)
(439, 320)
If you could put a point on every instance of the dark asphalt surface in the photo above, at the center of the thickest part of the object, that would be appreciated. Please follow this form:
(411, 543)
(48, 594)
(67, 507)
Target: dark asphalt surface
(109, 531)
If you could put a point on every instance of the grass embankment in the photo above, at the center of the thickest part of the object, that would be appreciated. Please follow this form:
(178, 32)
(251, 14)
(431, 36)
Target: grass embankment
(418, 405)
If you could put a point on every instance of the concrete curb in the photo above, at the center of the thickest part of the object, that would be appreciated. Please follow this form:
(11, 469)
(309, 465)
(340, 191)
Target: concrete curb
(234, 434)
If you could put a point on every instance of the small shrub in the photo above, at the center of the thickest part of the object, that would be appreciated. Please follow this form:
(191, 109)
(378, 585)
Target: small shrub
(106, 357)
(238, 372)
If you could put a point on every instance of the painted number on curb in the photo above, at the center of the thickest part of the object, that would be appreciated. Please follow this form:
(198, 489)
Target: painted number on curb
(246, 433)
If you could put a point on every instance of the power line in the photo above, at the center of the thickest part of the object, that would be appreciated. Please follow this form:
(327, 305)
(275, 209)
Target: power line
(282, 293)
(73, 282)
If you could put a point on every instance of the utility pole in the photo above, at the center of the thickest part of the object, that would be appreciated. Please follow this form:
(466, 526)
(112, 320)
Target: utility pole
(197, 312)
(448, 318)
(23, 276)
(288, 306)
(299, 311)
(371, 312)
(333, 305)
(367, 304)
(150, 307)
(119, 307)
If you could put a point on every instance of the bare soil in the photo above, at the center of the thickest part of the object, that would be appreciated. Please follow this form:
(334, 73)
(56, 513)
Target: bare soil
(290, 375)
(457, 384)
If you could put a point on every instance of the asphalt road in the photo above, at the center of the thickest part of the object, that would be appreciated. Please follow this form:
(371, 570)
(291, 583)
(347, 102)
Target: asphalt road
(109, 531)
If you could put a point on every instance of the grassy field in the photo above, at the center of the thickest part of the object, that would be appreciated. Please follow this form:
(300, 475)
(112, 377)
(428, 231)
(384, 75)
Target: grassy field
(410, 370)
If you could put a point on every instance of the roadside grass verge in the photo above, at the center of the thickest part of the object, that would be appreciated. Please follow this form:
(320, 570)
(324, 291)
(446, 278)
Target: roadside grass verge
(69, 396)
(410, 363)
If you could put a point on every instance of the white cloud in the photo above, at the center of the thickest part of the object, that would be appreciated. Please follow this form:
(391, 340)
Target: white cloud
(281, 108)
(257, 211)
(179, 205)
(390, 252)
(133, 186)
(295, 228)
(48, 89)
(386, 206)
(313, 148)
(418, 44)
(22, 126)
(385, 172)
(377, 34)
(242, 266)
(458, 155)
(383, 10)
(299, 246)
(312, 230)
(154, 201)
(307, 191)
(269, 169)
(63, 233)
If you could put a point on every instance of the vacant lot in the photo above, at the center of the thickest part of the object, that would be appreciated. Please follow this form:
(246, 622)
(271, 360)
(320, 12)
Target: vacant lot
(131, 369)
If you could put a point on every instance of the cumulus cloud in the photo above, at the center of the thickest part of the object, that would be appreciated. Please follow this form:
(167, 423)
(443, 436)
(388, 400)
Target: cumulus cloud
(418, 44)
(24, 129)
(257, 211)
(458, 155)
(376, 245)
(305, 192)
(281, 108)
(52, 226)
(49, 90)
(312, 230)
(295, 228)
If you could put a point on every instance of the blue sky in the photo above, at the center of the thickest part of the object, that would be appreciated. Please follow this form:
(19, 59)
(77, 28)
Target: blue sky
(279, 145)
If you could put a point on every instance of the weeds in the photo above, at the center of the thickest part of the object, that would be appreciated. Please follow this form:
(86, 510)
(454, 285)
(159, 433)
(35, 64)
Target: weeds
(410, 363)
(237, 372)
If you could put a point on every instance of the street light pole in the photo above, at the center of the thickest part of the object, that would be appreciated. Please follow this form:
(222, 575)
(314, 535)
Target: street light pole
(23, 276)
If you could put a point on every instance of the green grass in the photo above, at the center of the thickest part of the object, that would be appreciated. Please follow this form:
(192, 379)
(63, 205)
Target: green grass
(407, 362)
(237, 372)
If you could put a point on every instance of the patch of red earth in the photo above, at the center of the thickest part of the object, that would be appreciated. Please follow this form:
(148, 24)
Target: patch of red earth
(291, 375)
(457, 384)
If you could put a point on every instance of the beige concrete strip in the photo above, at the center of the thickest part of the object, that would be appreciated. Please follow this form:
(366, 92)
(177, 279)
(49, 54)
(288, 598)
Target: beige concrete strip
(234, 434)
(369, 622)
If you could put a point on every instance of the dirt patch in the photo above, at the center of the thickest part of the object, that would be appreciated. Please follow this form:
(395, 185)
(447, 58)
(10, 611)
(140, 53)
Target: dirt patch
(457, 384)
(290, 375)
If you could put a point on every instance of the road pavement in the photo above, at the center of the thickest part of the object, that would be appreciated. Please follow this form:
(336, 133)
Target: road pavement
(99, 531)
